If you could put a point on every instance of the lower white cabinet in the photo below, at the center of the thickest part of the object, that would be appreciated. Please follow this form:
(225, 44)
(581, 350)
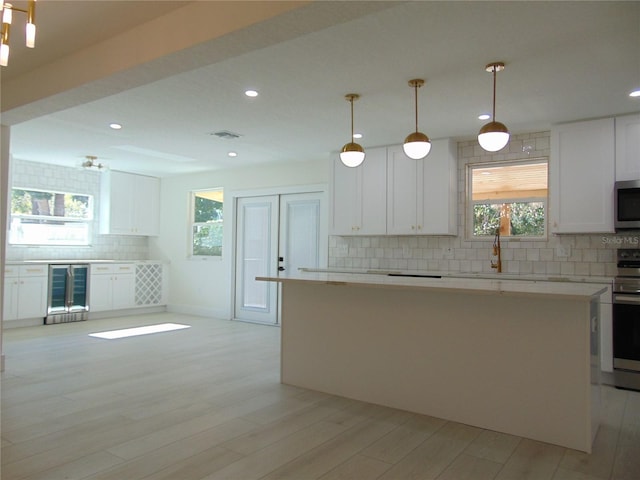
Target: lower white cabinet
(25, 291)
(112, 286)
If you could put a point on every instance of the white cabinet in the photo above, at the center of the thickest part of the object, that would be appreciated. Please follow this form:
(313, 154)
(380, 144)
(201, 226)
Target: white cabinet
(112, 286)
(581, 177)
(422, 194)
(628, 147)
(129, 204)
(25, 291)
(359, 196)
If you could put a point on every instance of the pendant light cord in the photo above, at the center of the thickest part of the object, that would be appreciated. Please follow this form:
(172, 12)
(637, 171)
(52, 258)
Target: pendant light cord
(415, 89)
(351, 101)
(494, 93)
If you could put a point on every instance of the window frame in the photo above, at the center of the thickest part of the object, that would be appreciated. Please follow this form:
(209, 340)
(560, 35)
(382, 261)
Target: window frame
(470, 203)
(192, 224)
(88, 221)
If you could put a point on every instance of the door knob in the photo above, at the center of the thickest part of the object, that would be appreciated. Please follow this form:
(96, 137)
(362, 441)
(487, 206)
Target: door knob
(281, 269)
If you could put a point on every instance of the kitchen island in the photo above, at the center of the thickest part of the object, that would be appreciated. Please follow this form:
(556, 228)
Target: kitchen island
(512, 356)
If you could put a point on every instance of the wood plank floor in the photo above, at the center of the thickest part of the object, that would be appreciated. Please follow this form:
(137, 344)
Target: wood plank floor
(206, 403)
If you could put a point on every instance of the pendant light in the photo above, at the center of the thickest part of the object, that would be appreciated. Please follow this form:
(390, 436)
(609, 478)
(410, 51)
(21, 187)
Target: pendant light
(352, 154)
(417, 145)
(494, 135)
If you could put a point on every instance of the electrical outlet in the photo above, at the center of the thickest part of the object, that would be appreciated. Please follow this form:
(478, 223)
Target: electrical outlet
(447, 252)
(343, 250)
(563, 251)
(406, 253)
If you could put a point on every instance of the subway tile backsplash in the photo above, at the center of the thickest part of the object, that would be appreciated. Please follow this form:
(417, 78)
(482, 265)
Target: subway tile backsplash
(25, 174)
(588, 255)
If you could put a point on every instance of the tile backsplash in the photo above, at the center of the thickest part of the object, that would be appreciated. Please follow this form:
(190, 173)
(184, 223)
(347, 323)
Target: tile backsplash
(25, 174)
(581, 255)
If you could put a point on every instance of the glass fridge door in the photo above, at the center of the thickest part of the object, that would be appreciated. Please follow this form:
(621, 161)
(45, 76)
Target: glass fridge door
(79, 297)
(58, 280)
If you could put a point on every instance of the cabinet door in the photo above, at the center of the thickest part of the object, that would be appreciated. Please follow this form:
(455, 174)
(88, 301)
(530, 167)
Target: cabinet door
(124, 291)
(10, 306)
(116, 203)
(581, 177)
(146, 205)
(628, 147)
(345, 199)
(100, 291)
(373, 193)
(438, 191)
(402, 192)
(359, 196)
(32, 297)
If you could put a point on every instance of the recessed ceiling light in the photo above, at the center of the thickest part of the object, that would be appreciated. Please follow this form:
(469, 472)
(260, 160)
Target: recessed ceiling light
(635, 93)
(484, 116)
(357, 135)
(115, 126)
(251, 93)
(232, 154)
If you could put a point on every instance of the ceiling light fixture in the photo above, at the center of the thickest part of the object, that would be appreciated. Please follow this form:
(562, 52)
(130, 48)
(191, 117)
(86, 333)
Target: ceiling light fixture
(232, 154)
(7, 17)
(352, 154)
(494, 135)
(115, 126)
(484, 116)
(91, 164)
(635, 93)
(251, 93)
(417, 145)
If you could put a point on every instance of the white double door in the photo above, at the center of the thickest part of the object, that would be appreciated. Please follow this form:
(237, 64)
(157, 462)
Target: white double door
(275, 234)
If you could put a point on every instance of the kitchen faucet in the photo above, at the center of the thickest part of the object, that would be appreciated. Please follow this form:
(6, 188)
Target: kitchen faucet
(496, 252)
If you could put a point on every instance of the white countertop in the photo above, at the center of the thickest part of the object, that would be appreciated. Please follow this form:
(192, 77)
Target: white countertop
(460, 283)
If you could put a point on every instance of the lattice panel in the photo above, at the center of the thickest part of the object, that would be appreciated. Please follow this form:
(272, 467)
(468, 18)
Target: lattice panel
(148, 284)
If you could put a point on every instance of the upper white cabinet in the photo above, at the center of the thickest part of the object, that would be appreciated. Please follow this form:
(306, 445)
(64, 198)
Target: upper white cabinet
(129, 204)
(422, 194)
(628, 147)
(359, 196)
(581, 177)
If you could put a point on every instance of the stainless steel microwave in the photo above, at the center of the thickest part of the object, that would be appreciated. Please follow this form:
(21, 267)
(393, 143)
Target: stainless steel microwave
(627, 205)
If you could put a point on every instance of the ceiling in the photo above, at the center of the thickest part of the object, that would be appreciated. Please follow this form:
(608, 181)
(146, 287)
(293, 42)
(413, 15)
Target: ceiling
(564, 61)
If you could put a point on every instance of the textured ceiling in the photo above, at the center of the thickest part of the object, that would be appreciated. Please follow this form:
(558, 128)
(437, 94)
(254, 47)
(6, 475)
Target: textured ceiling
(564, 61)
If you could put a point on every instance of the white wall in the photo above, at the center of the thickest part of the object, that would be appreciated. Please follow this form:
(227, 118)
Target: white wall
(203, 287)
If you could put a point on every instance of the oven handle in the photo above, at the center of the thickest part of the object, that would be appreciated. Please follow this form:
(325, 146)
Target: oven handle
(628, 299)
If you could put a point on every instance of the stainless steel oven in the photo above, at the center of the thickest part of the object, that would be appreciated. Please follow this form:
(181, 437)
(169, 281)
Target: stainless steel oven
(626, 320)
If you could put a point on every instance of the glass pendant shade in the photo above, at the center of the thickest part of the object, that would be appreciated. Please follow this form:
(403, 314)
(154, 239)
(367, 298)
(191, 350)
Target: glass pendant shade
(352, 155)
(31, 35)
(493, 136)
(417, 146)
(4, 55)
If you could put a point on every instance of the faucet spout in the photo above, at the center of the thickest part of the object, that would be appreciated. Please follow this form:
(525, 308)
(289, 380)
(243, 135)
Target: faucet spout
(497, 253)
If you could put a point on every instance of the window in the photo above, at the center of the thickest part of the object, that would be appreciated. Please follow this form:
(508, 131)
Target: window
(510, 196)
(41, 217)
(206, 229)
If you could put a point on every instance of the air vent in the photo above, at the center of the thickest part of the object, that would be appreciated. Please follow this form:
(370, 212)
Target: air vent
(227, 135)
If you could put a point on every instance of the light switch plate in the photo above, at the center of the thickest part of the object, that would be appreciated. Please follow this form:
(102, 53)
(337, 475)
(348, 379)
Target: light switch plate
(563, 251)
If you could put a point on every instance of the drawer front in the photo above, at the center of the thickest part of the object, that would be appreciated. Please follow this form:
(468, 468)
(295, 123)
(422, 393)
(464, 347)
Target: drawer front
(101, 268)
(34, 270)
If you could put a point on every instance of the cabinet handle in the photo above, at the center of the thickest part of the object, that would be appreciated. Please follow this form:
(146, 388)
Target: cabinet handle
(413, 227)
